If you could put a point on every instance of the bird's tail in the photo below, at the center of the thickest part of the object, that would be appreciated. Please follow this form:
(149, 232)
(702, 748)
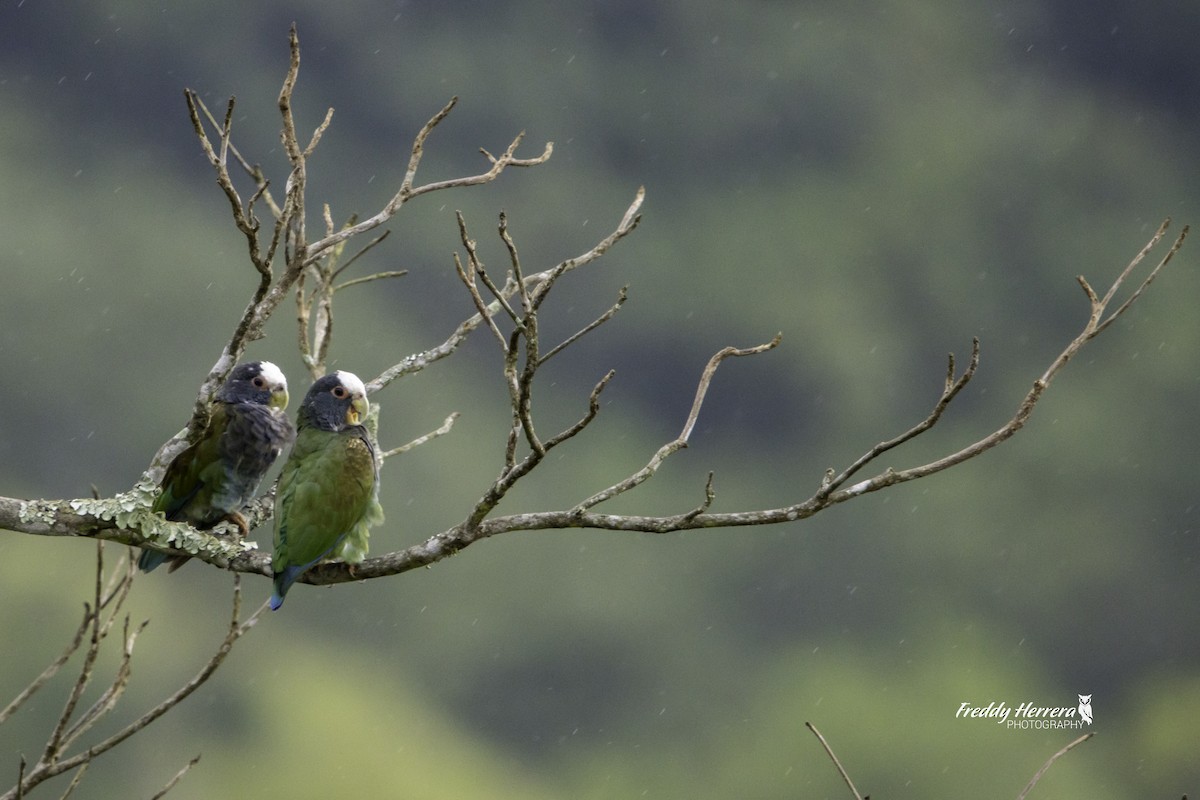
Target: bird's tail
(150, 560)
(283, 582)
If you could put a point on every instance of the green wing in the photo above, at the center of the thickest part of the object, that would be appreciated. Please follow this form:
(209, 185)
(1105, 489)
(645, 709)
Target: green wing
(188, 484)
(327, 496)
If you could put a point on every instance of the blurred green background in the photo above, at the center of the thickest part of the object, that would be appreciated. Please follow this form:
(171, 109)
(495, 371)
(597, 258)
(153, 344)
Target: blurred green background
(880, 182)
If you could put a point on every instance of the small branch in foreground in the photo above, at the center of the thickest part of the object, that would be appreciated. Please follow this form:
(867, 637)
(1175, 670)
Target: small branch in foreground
(1038, 775)
(1024, 792)
(829, 751)
(53, 760)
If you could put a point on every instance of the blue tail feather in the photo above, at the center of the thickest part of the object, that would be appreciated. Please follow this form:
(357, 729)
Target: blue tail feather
(283, 582)
(149, 560)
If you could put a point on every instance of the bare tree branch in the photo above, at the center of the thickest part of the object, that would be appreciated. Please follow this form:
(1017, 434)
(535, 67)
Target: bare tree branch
(829, 751)
(680, 441)
(953, 386)
(73, 518)
(123, 519)
(420, 440)
(603, 318)
(76, 779)
(171, 784)
(54, 759)
(417, 362)
(407, 192)
(511, 312)
(1038, 775)
(1024, 792)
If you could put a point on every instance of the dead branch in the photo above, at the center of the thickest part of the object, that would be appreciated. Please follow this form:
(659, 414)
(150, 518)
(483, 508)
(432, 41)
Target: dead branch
(62, 518)
(829, 752)
(1038, 775)
(70, 726)
(511, 311)
(290, 230)
(680, 441)
(312, 268)
(420, 440)
(1024, 792)
(176, 778)
(830, 490)
(418, 361)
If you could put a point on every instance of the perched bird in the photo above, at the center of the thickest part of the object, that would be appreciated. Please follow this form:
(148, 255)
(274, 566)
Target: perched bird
(328, 495)
(214, 478)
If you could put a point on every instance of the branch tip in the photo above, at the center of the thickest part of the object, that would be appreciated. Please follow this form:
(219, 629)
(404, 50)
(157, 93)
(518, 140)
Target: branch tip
(829, 751)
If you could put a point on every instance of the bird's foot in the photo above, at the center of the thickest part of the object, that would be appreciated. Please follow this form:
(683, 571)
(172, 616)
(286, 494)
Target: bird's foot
(237, 519)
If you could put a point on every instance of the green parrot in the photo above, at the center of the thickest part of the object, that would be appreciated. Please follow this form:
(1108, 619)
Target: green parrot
(214, 478)
(328, 495)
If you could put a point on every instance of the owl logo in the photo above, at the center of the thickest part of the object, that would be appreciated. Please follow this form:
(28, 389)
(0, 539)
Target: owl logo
(1085, 708)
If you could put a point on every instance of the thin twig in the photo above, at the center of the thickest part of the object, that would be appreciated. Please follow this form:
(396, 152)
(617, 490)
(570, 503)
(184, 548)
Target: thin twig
(592, 410)
(418, 361)
(420, 440)
(681, 440)
(52, 764)
(108, 699)
(76, 779)
(362, 252)
(603, 318)
(951, 389)
(408, 192)
(51, 670)
(1038, 775)
(1150, 277)
(378, 276)
(467, 276)
(478, 269)
(177, 778)
(255, 172)
(829, 751)
(58, 737)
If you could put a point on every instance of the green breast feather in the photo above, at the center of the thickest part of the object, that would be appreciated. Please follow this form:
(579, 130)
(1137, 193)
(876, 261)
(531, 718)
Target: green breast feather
(326, 502)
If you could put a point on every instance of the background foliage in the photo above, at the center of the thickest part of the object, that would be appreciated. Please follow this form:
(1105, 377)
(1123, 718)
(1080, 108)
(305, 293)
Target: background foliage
(880, 183)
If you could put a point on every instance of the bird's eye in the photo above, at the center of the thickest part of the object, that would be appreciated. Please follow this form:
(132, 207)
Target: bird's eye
(260, 382)
(340, 392)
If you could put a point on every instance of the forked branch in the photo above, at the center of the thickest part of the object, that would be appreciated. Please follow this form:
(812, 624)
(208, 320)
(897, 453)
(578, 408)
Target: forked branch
(831, 489)
(290, 231)
(99, 618)
(514, 305)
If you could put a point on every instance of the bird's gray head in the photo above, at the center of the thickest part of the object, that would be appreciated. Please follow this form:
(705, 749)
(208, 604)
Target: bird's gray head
(335, 402)
(258, 382)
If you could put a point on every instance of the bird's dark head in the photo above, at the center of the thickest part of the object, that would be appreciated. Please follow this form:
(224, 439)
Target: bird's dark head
(335, 402)
(258, 382)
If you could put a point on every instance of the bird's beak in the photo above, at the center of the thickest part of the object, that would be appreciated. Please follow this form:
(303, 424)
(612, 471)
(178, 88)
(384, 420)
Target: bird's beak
(357, 412)
(279, 397)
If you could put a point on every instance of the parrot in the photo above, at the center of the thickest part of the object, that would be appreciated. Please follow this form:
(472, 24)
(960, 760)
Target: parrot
(328, 495)
(214, 478)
